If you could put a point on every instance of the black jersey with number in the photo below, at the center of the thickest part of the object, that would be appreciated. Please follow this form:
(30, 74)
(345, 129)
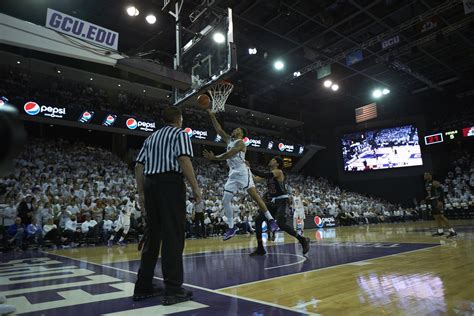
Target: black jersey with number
(435, 194)
(276, 188)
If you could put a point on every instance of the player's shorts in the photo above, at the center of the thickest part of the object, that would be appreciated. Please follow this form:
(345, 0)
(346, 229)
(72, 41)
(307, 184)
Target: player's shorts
(299, 213)
(239, 179)
(123, 222)
(437, 209)
(279, 209)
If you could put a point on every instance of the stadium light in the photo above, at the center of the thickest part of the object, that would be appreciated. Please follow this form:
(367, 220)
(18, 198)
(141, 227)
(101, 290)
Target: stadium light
(132, 11)
(296, 74)
(18, 62)
(377, 93)
(91, 78)
(151, 19)
(385, 91)
(218, 37)
(279, 65)
(327, 83)
(252, 51)
(335, 87)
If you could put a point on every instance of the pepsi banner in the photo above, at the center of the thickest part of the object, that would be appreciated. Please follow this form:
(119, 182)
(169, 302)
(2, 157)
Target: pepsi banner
(33, 109)
(133, 123)
(199, 134)
(81, 29)
(257, 143)
(285, 147)
(137, 124)
(324, 221)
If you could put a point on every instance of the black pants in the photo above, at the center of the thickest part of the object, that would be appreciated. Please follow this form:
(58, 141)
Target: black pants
(199, 221)
(165, 205)
(278, 211)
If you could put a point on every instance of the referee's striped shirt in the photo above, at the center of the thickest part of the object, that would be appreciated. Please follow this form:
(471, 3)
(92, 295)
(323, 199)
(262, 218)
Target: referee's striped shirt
(161, 150)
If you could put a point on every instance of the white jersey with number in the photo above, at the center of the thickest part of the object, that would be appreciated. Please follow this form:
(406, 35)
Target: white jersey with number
(299, 208)
(240, 176)
(298, 203)
(238, 160)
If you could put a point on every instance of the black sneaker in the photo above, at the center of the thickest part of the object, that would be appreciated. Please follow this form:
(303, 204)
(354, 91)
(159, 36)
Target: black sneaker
(178, 297)
(258, 252)
(437, 234)
(452, 235)
(305, 244)
(154, 292)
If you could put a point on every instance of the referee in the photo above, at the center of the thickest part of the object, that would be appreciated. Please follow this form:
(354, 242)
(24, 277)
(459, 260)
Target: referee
(161, 164)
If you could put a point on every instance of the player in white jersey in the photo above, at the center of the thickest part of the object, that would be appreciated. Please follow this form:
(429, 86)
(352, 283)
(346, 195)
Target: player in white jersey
(123, 222)
(298, 208)
(240, 176)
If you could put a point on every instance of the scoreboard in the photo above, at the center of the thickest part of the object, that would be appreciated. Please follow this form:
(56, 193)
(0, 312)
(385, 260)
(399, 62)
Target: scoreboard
(450, 135)
(434, 139)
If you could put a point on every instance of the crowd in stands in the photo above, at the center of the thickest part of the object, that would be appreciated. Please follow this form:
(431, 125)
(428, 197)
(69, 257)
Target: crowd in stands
(20, 86)
(65, 194)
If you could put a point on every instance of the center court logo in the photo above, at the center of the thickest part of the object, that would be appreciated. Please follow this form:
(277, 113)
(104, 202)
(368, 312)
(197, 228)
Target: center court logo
(132, 123)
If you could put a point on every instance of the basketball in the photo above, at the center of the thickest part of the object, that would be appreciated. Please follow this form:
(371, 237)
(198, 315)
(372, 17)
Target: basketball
(203, 101)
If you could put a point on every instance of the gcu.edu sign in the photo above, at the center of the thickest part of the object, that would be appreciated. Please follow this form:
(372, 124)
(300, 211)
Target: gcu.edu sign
(75, 27)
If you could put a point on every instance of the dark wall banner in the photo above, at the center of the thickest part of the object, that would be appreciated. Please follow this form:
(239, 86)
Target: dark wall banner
(132, 123)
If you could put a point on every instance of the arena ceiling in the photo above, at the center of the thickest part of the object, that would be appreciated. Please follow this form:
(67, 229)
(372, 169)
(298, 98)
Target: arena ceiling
(434, 51)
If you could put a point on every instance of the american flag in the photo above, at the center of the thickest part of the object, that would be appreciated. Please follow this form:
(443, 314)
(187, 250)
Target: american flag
(366, 112)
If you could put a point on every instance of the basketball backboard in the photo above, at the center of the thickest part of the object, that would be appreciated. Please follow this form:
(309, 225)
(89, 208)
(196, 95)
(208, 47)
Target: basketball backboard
(208, 57)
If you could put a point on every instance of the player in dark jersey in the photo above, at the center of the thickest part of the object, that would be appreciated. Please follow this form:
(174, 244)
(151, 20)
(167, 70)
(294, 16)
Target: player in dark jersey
(278, 205)
(436, 199)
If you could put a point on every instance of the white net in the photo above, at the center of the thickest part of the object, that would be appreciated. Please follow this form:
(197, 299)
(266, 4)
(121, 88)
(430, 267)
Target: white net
(219, 94)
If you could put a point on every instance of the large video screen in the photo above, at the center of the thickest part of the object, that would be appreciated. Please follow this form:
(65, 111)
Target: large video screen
(386, 148)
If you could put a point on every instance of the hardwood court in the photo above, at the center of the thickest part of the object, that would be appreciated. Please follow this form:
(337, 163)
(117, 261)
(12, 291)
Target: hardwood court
(395, 269)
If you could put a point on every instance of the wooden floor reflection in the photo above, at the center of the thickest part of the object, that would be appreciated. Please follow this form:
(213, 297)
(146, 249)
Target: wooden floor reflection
(437, 280)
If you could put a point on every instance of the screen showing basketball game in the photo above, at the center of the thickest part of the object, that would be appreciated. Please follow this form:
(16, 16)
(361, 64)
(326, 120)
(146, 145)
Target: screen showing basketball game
(394, 147)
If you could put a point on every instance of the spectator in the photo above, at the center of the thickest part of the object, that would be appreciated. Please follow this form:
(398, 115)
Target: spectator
(16, 234)
(34, 232)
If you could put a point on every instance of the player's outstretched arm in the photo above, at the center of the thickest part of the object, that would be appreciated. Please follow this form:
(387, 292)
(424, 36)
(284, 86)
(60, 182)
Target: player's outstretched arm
(218, 127)
(238, 147)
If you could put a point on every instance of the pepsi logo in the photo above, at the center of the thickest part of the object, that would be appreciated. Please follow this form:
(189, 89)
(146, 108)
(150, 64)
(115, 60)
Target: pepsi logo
(318, 235)
(86, 115)
(110, 119)
(318, 221)
(246, 141)
(189, 131)
(1, 102)
(132, 123)
(31, 108)
(281, 146)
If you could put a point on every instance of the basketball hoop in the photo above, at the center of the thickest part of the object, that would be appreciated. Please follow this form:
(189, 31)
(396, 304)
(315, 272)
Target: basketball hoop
(219, 94)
